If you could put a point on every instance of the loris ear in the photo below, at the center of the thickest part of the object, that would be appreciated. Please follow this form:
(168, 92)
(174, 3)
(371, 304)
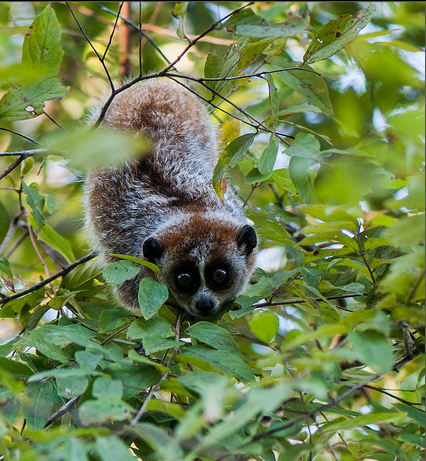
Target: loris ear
(152, 249)
(246, 239)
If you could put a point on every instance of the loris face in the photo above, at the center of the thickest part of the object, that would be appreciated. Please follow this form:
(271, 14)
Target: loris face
(203, 270)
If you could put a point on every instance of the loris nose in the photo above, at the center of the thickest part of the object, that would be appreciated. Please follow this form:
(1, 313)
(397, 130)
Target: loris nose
(205, 305)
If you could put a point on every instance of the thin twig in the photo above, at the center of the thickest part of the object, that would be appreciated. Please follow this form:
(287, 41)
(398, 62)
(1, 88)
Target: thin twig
(12, 166)
(27, 153)
(163, 72)
(312, 413)
(210, 29)
(140, 41)
(113, 31)
(63, 410)
(37, 250)
(362, 253)
(382, 391)
(116, 333)
(20, 134)
(45, 282)
(101, 60)
(141, 32)
(415, 288)
(242, 77)
(301, 301)
(52, 120)
(15, 224)
(255, 123)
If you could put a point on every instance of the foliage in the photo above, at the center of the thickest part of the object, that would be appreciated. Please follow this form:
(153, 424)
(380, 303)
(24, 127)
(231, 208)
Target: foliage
(321, 117)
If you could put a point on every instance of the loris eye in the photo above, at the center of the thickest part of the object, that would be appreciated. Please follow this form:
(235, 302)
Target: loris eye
(219, 275)
(184, 281)
(187, 280)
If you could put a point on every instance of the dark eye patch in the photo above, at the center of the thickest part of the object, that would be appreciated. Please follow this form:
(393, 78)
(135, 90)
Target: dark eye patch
(218, 276)
(186, 279)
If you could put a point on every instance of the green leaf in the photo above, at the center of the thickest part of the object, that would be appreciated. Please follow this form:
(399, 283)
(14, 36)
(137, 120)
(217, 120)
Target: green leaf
(213, 335)
(103, 411)
(61, 335)
(142, 328)
(259, 401)
(4, 221)
(298, 109)
(110, 447)
(89, 148)
(341, 424)
(293, 26)
(309, 84)
(201, 381)
(35, 202)
(152, 295)
(222, 360)
(13, 367)
(87, 360)
(26, 100)
(118, 272)
(268, 157)
(221, 66)
(61, 373)
(236, 150)
(48, 235)
(6, 276)
(41, 51)
(111, 320)
(336, 34)
(42, 343)
(298, 170)
(136, 260)
(179, 12)
(329, 313)
(38, 403)
(408, 231)
(416, 414)
(304, 145)
(155, 343)
(165, 447)
(324, 331)
(264, 324)
(373, 349)
(105, 388)
(71, 386)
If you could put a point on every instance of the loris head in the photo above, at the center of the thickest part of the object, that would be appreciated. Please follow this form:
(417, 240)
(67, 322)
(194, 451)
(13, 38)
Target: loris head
(205, 264)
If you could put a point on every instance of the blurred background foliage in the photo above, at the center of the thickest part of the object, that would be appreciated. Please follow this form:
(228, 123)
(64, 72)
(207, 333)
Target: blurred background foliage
(334, 183)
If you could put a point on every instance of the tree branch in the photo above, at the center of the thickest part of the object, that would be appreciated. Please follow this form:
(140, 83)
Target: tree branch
(45, 282)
